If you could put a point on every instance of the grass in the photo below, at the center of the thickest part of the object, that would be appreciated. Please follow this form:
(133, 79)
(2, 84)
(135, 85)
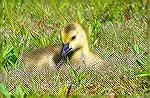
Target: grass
(117, 31)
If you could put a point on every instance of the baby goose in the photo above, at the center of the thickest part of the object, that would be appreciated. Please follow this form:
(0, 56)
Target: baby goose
(74, 46)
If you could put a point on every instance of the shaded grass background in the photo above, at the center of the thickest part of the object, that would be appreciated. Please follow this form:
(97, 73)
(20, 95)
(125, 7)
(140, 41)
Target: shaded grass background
(112, 27)
(38, 24)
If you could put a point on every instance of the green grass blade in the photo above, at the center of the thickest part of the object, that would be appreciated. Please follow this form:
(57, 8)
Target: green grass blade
(4, 90)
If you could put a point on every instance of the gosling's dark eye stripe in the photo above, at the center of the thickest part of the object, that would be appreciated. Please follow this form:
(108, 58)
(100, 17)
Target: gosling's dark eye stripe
(73, 37)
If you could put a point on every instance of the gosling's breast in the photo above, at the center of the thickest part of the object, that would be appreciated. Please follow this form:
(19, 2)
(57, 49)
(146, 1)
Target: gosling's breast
(86, 60)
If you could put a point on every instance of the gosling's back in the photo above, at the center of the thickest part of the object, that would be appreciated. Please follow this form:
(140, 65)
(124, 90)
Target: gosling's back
(37, 59)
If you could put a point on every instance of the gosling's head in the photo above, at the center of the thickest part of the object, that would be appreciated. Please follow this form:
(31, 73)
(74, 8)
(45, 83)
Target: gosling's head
(73, 38)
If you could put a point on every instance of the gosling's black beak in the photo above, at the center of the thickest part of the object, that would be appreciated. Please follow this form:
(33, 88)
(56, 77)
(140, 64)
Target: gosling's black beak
(65, 49)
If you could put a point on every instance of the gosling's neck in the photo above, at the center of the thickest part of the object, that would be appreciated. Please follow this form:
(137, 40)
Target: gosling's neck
(80, 53)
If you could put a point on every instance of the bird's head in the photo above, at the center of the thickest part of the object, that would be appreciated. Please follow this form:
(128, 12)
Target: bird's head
(73, 38)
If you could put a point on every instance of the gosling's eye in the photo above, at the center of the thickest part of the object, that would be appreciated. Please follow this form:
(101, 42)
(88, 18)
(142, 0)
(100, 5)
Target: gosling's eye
(73, 37)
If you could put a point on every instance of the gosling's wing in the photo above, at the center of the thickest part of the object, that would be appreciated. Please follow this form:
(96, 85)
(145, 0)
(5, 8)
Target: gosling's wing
(40, 57)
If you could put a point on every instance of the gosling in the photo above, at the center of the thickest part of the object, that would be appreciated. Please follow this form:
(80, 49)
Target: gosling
(74, 47)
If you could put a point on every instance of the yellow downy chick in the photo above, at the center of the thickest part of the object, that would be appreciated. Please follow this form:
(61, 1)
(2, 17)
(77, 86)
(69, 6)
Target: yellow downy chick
(75, 46)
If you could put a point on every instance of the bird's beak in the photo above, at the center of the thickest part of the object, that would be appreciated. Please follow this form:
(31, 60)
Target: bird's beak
(65, 49)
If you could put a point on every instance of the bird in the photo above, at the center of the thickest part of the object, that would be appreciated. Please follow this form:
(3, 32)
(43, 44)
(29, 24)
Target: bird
(74, 47)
